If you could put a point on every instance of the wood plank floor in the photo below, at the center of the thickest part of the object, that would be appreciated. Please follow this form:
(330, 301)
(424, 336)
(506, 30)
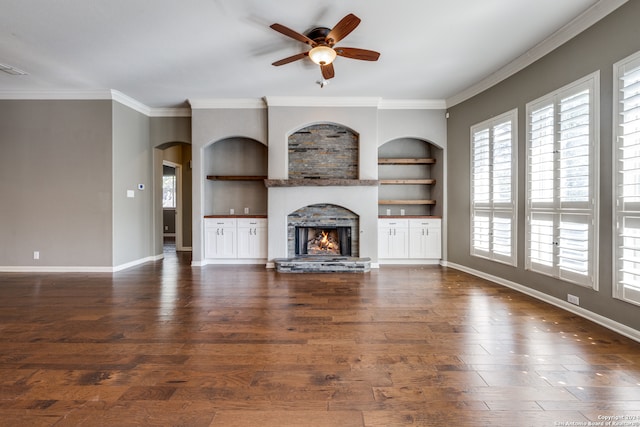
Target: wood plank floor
(163, 344)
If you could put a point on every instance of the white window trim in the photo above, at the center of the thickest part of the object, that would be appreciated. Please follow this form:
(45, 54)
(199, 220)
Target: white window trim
(490, 208)
(593, 82)
(618, 289)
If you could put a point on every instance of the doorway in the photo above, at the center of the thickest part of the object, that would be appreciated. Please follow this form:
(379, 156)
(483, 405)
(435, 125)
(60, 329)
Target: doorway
(171, 206)
(172, 194)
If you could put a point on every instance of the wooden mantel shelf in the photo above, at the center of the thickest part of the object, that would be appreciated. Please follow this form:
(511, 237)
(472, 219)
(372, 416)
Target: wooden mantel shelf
(320, 182)
(236, 177)
(407, 161)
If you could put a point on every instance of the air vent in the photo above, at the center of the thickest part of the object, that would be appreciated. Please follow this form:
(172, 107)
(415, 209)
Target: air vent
(12, 70)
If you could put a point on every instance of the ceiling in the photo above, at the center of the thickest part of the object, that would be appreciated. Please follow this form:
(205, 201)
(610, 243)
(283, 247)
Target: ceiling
(163, 53)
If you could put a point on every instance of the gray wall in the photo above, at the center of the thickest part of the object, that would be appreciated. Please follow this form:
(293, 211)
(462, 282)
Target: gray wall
(55, 183)
(613, 38)
(133, 224)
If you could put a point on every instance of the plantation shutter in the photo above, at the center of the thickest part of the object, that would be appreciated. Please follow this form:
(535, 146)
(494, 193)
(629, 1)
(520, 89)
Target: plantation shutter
(493, 189)
(561, 184)
(627, 166)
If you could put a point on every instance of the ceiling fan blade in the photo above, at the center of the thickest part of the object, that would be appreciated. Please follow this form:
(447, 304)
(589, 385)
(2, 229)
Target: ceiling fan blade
(342, 29)
(291, 58)
(355, 53)
(327, 71)
(293, 34)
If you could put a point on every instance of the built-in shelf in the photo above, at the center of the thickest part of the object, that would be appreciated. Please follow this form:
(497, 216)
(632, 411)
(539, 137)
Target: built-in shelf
(236, 177)
(408, 181)
(407, 202)
(407, 161)
(424, 179)
(334, 182)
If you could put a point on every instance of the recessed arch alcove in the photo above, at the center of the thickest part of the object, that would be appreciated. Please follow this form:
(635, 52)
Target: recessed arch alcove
(411, 181)
(323, 151)
(235, 168)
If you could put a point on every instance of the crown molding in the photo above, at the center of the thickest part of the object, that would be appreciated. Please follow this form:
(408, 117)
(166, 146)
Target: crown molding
(412, 104)
(94, 95)
(223, 103)
(55, 94)
(295, 101)
(170, 112)
(130, 102)
(579, 24)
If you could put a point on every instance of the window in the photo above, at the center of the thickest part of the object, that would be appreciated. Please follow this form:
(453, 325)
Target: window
(562, 183)
(626, 122)
(169, 191)
(493, 188)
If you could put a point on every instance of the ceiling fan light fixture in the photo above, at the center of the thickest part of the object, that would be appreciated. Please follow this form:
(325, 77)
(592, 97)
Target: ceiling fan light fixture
(322, 55)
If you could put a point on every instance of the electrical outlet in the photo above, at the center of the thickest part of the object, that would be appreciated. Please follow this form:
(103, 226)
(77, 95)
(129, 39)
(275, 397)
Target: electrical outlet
(36, 254)
(573, 299)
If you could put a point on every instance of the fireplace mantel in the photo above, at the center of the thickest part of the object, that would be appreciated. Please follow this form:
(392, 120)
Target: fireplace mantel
(335, 182)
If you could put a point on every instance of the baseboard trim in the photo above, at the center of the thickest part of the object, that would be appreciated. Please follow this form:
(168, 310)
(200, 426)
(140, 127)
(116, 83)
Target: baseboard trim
(228, 261)
(77, 269)
(409, 262)
(54, 269)
(620, 328)
(137, 262)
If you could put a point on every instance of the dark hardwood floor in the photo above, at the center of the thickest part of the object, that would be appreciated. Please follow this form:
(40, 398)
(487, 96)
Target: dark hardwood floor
(164, 344)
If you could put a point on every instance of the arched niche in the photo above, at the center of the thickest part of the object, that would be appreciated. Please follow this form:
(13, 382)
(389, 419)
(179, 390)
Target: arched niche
(411, 148)
(226, 164)
(323, 151)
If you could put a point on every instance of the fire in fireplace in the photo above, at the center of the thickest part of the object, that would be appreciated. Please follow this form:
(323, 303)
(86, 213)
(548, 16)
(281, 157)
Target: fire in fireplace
(323, 241)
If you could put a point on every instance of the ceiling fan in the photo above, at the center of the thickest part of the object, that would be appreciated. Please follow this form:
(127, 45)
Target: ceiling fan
(322, 41)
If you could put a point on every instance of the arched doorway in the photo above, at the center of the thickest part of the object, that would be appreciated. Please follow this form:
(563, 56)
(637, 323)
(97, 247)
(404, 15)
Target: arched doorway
(174, 207)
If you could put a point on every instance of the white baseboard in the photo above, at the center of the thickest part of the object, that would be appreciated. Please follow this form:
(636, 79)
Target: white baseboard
(137, 262)
(228, 261)
(75, 268)
(409, 262)
(625, 330)
(54, 269)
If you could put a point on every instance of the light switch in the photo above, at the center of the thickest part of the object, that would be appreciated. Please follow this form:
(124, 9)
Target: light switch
(131, 194)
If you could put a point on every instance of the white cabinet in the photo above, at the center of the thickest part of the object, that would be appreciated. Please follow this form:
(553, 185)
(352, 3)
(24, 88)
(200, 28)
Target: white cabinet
(393, 238)
(239, 239)
(252, 238)
(409, 240)
(425, 238)
(220, 238)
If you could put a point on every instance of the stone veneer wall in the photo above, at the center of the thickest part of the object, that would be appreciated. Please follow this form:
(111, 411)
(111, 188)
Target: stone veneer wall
(322, 215)
(323, 151)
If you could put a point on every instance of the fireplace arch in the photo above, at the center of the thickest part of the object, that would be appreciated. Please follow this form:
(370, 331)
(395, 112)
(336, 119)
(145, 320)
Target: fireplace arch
(307, 222)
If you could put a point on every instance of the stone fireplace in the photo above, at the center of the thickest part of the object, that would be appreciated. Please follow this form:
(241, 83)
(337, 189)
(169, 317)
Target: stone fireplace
(322, 191)
(305, 228)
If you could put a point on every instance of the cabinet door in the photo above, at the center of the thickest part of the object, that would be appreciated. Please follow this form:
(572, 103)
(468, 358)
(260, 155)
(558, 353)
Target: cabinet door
(252, 238)
(433, 243)
(384, 242)
(393, 238)
(220, 239)
(400, 243)
(252, 242)
(424, 239)
(210, 242)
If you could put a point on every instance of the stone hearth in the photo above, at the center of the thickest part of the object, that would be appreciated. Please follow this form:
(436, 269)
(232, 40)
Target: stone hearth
(323, 264)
